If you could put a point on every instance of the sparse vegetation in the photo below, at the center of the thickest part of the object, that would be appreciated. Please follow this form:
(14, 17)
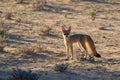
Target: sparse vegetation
(38, 47)
(18, 1)
(3, 43)
(3, 31)
(61, 67)
(66, 15)
(31, 38)
(7, 15)
(38, 4)
(18, 20)
(29, 50)
(26, 50)
(92, 14)
(3, 37)
(45, 30)
(19, 74)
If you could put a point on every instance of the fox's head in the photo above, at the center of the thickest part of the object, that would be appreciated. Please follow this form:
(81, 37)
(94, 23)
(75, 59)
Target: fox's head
(65, 32)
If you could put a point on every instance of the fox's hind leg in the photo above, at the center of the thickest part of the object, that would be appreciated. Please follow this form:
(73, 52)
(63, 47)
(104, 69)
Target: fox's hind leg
(90, 48)
(83, 51)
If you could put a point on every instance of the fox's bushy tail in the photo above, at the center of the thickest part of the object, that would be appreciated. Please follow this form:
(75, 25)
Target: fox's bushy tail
(91, 47)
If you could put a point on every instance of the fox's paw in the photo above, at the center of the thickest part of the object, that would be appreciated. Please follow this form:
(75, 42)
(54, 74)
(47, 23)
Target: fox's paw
(66, 59)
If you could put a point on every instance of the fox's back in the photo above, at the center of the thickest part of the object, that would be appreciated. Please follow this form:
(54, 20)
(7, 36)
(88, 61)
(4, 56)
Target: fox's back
(78, 37)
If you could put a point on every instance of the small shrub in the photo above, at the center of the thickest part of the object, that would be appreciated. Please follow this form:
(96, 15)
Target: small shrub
(3, 32)
(3, 43)
(38, 4)
(60, 67)
(18, 74)
(92, 14)
(1, 0)
(7, 15)
(44, 30)
(37, 48)
(29, 50)
(18, 20)
(3, 37)
(18, 1)
(76, 1)
(26, 50)
(66, 15)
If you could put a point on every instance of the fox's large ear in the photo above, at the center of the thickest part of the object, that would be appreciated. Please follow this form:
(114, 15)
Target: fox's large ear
(69, 29)
(62, 28)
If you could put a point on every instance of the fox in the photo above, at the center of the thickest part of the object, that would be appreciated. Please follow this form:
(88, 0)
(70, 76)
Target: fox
(84, 41)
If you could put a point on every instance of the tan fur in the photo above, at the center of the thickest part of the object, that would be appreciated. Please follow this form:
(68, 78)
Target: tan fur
(84, 42)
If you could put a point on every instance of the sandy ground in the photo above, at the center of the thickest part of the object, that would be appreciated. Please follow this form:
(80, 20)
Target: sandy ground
(105, 31)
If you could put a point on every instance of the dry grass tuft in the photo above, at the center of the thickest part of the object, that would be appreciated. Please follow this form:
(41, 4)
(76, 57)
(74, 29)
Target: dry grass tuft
(17, 20)
(7, 15)
(44, 30)
(37, 48)
(60, 67)
(3, 43)
(18, 1)
(26, 50)
(30, 50)
(92, 15)
(38, 4)
(3, 37)
(3, 31)
(19, 74)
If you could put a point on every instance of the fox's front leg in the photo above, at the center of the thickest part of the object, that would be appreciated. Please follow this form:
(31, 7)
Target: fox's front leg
(71, 48)
(67, 52)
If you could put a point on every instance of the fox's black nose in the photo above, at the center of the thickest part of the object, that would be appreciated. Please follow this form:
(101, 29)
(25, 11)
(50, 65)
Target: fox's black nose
(66, 35)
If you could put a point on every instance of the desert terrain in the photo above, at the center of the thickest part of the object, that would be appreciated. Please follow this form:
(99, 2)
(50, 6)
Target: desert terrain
(26, 32)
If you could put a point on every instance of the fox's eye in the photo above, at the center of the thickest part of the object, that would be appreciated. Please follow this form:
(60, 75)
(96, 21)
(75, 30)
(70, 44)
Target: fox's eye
(66, 33)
